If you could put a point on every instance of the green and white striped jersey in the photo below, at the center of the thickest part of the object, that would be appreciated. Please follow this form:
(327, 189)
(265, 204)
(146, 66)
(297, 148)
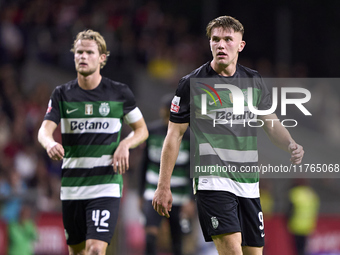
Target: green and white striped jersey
(91, 123)
(227, 146)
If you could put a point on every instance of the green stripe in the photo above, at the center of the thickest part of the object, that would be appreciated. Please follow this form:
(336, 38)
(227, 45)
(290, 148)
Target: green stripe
(91, 180)
(247, 180)
(153, 168)
(116, 109)
(185, 145)
(78, 151)
(181, 172)
(257, 95)
(230, 142)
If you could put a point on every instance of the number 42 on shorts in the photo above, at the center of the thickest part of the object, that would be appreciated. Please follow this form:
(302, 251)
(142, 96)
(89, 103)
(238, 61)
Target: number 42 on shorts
(100, 218)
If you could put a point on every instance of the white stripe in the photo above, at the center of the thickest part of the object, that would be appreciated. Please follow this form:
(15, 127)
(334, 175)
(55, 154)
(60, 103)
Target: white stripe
(248, 190)
(90, 125)
(90, 192)
(177, 199)
(175, 181)
(133, 116)
(229, 155)
(87, 162)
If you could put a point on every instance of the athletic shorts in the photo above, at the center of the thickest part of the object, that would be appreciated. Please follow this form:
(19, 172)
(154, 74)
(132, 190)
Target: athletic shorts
(154, 219)
(222, 212)
(90, 219)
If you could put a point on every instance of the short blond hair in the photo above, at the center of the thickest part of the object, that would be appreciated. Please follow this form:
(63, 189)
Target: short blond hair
(226, 22)
(98, 38)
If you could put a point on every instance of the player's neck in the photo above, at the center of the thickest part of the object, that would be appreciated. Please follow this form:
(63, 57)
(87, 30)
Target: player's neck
(89, 82)
(224, 70)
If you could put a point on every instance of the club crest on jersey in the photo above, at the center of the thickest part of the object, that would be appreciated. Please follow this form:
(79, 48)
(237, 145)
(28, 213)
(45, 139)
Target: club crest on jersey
(214, 222)
(104, 109)
(88, 109)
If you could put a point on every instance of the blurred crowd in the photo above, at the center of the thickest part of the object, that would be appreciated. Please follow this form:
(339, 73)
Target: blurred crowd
(142, 36)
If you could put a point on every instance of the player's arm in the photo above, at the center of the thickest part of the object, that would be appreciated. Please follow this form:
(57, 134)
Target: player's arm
(162, 201)
(280, 136)
(45, 136)
(121, 156)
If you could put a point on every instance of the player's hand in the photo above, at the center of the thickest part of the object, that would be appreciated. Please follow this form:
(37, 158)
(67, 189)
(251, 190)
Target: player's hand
(162, 201)
(120, 161)
(296, 152)
(55, 151)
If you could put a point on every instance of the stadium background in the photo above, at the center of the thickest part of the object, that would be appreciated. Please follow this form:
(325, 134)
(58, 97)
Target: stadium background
(153, 44)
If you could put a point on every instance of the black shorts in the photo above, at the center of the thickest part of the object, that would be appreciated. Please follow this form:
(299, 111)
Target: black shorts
(222, 212)
(90, 219)
(154, 219)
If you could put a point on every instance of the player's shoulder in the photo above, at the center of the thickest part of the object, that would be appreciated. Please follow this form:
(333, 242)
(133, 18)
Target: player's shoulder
(113, 84)
(247, 72)
(66, 87)
(118, 90)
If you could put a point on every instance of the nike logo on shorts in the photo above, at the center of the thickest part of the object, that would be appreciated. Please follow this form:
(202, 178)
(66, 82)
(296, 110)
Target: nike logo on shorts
(102, 230)
(263, 234)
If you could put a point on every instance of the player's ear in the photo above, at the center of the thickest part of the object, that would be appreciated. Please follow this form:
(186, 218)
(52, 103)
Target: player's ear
(241, 46)
(102, 58)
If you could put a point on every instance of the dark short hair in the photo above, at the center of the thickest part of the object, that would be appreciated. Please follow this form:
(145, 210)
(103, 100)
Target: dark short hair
(225, 22)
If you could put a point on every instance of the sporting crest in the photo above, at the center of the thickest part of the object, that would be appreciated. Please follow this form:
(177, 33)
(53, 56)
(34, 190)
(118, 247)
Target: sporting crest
(104, 109)
(214, 222)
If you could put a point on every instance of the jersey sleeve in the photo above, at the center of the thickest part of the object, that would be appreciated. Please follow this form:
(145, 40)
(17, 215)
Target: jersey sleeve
(266, 97)
(53, 112)
(180, 105)
(129, 100)
(130, 110)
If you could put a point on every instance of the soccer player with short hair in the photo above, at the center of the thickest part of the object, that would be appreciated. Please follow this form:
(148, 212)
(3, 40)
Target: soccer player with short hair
(228, 206)
(91, 110)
